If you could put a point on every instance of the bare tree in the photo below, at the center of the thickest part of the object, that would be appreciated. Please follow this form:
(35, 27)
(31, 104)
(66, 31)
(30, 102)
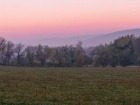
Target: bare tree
(2, 50)
(58, 57)
(42, 53)
(30, 55)
(19, 53)
(2, 40)
(79, 54)
(66, 56)
(9, 52)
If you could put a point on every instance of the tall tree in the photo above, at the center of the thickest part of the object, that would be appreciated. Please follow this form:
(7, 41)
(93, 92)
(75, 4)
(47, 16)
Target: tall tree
(2, 50)
(42, 53)
(19, 53)
(102, 55)
(79, 54)
(137, 50)
(9, 52)
(30, 55)
(123, 50)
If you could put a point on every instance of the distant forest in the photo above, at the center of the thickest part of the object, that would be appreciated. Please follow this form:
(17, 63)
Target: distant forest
(124, 51)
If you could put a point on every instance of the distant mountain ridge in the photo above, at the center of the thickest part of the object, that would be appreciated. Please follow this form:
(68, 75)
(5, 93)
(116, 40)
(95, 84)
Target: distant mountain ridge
(89, 40)
(107, 38)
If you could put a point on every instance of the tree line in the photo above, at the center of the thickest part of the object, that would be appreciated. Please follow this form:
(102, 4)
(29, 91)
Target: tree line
(123, 51)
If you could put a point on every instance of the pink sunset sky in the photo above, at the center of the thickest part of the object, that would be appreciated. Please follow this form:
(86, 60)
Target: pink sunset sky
(59, 18)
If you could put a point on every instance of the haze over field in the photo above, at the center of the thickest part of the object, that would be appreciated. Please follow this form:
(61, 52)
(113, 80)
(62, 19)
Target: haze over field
(31, 20)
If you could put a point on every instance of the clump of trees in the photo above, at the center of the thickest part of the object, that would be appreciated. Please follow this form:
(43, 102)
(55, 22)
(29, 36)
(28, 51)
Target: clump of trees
(18, 55)
(123, 51)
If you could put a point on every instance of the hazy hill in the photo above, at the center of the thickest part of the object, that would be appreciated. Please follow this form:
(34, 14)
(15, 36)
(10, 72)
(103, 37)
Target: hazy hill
(88, 40)
(107, 38)
(65, 41)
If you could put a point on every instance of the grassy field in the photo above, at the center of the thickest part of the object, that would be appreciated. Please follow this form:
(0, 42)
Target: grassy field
(69, 86)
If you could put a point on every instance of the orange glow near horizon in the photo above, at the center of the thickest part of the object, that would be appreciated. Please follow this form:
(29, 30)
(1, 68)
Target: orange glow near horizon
(51, 18)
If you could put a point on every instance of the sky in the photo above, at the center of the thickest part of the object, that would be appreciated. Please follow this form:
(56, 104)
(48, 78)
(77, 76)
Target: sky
(66, 18)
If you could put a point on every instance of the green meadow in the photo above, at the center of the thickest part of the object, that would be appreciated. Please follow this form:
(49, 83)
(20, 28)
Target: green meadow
(69, 86)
